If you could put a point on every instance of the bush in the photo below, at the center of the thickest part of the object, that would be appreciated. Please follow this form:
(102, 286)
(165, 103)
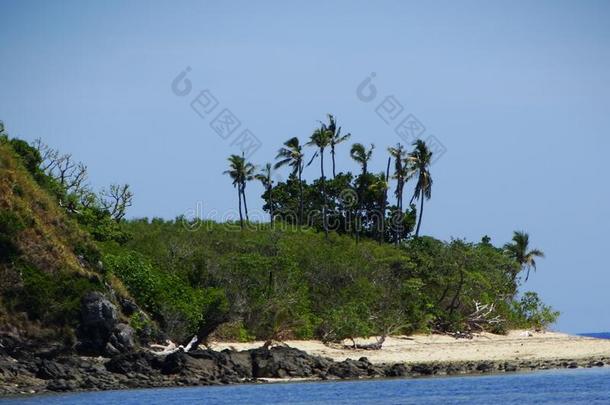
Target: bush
(530, 312)
(51, 298)
(183, 310)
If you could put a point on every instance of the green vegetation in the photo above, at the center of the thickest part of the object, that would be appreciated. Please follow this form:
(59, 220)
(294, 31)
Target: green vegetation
(337, 259)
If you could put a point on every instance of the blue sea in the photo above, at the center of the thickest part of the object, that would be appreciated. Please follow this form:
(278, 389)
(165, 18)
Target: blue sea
(576, 386)
(601, 335)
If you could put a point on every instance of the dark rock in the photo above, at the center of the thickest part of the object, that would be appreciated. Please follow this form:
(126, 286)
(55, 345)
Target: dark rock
(453, 369)
(123, 338)
(128, 306)
(98, 320)
(349, 369)
(61, 385)
(240, 362)
(51, 370)
(280, 362)
(424, 369)
(396, 370)
(485, 367)
(136, 362)
(573, 365)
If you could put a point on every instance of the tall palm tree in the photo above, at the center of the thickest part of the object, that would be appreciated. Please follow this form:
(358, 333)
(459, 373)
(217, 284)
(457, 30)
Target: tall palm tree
(249, 172)
(421, 158)
(237, 172)
(519, 251)
(321, 139)
(402, 174)
(361, 155)
(380, 187)
(291, 154)
(335, 138)
(264, 176)
(402, 171)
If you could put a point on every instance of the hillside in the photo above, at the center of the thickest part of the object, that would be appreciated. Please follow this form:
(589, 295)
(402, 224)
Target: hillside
(47, 261)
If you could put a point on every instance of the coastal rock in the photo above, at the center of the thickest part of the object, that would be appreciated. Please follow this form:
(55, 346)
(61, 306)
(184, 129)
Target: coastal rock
(123, 338)
(98, 320)
(352, 368)
(52, 370)
(281, 362)
(239, 362)
(136, 362)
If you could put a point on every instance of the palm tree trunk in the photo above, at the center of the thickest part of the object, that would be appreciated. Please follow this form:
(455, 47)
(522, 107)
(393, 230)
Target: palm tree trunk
(324, 222)
(359, 202)
(399, 187)
(300, 195)
(332, 153)
(421, 211)
(385, 198)
(243, 193)
(241, 217)
(271, 204)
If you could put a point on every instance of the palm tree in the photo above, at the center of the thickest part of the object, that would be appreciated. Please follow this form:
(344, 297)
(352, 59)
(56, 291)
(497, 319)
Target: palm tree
(292, 155)
(321, 139)
(335, 138)
(402, 174)
(518, 250)
(380, 187)
(361, 155)
(264, 176)
(421, 158)
(402, 171)
(237, 172)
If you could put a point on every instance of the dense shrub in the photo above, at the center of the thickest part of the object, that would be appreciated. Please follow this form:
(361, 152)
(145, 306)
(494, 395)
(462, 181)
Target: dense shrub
(50, 298)
(530, 311)
(292, 282)
(182, 309)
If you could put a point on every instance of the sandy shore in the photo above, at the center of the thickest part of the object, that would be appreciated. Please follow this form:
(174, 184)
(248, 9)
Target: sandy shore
(517, 345)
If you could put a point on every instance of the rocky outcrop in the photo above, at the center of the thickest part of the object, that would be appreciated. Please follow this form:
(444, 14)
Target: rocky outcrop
(27, 369)
(100, 332)
(99, 317)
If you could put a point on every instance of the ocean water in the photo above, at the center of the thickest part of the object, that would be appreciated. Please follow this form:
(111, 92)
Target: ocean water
(599, 335)
(577, 386)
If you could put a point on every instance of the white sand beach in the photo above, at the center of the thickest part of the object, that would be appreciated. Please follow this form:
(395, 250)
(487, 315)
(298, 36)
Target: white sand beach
(516, 345)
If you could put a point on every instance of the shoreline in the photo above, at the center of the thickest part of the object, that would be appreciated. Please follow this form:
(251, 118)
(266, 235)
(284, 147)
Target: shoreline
(410, 357)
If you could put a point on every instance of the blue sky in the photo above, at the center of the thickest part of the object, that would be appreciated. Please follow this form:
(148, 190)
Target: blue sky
(517, 92)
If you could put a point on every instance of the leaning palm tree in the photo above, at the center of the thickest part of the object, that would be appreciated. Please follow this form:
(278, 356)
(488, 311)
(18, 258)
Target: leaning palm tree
(321, 139)
(335, 138)
(265, 177)
(291, 154)
(237, 169)
(518, 250)
(421, 159)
